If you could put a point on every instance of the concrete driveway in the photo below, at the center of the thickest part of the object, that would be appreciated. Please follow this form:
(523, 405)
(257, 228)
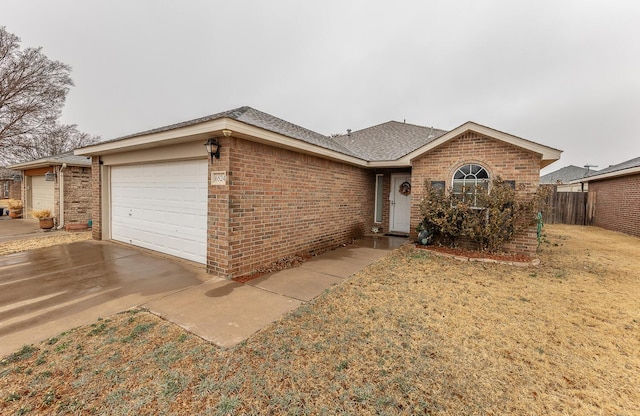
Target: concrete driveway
(17, 229)
(50, 290)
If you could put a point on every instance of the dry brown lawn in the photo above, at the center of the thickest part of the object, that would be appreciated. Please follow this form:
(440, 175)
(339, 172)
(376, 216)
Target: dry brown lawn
(411, 334)
(56, 238)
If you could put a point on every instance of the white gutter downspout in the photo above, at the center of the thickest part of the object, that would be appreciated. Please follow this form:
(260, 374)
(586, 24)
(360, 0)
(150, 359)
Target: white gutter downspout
(61, 178)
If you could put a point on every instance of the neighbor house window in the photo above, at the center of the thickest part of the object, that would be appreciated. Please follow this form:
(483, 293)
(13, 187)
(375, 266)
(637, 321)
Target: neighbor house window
(377, 216)
(468, 181)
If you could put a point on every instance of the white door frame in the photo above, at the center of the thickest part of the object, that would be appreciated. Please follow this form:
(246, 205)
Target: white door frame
(399, 205)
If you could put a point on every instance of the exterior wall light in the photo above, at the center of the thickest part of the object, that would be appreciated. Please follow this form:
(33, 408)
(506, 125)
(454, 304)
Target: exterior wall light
(49, 176)
(213, 148)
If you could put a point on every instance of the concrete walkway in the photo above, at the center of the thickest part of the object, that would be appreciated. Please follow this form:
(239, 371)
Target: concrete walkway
(226, 312)
(51, 290)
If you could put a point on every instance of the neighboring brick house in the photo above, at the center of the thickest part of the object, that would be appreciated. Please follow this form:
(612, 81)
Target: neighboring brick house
(10, 187)
(275, 189)
(614, 197)
(60, 183)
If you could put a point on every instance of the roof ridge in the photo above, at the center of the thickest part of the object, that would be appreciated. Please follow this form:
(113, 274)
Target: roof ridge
(396, 122)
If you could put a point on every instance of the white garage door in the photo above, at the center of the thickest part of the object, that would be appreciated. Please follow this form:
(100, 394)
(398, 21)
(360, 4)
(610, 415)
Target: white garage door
(162, 207)
(42, 193)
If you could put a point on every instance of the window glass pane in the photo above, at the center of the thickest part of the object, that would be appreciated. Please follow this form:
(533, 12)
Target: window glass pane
(438, 185)
(378, 207)
(468, 181)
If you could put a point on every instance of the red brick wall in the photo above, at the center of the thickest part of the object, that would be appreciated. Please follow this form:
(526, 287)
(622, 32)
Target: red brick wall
(96, 198)
(282, 203)
(218, 246)
(617, 204)
(15, 190)
(77, 195)
(497, 157)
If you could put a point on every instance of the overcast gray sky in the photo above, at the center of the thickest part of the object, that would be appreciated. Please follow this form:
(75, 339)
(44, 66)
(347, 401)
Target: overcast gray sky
(562, 73)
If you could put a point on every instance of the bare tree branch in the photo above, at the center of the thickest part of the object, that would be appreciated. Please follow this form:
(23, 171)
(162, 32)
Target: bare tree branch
(33, 90)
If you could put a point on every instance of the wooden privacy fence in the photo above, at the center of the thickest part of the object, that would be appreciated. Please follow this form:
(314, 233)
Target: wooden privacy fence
(575, 208)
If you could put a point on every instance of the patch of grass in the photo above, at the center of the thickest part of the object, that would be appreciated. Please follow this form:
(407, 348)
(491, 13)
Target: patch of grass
(227, 405)
(49, 398)
(23, 354)
(137, 331)
(12, 397)
(174, 383)
(98, 329)
(61, 347)
(207, 386)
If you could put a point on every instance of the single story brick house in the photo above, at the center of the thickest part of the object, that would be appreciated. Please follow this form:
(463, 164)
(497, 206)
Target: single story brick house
(60, 183)
(274, 189)
(614, 197)
(10, 187)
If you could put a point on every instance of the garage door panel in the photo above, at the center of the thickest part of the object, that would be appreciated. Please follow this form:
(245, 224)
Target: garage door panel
(42, 193)
(162, 206)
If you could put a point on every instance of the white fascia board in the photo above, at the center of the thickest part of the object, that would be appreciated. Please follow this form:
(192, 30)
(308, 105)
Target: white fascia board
(400, 163)
(36, 164)
(139, 142)
(548, 153)
(622, 172)
(32, 165)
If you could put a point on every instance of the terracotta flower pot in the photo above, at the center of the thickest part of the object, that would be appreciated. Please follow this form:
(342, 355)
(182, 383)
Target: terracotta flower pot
(15, 213)
(46, 223)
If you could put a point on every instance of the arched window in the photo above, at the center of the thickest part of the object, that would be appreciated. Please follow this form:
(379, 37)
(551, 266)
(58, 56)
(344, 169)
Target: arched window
(468, 181)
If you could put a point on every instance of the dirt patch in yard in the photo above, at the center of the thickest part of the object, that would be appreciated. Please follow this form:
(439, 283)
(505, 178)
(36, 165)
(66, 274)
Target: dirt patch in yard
(56, 238)
(414, 333)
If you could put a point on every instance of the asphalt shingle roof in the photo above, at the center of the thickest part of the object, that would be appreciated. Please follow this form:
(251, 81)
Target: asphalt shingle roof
(629, 164)
(388, 141)
(259, 119)
(565, 175)
(68, 158)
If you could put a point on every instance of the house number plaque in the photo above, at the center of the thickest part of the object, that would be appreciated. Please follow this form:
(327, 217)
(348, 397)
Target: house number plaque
(219, 178)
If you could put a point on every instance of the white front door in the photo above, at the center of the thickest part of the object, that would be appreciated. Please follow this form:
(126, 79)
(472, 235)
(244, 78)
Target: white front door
(400, 215)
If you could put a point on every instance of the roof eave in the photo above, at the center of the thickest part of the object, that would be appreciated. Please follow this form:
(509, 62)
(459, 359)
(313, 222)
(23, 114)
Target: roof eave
(213, 128)
(181, 134)
(45, 163)
(608, 175)
(548, 154)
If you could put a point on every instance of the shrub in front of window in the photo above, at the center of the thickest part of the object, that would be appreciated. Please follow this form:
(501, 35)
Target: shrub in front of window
(490, 219)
